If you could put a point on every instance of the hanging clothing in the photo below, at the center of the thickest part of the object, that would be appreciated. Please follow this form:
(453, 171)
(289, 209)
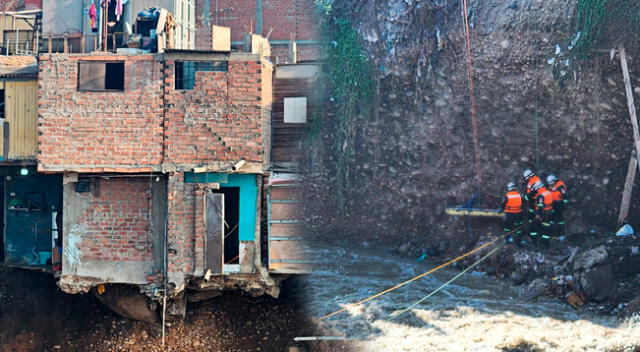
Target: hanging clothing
(93, 15)
(118, 10)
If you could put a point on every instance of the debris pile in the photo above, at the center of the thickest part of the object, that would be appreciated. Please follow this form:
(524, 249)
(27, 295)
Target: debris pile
(600, 272)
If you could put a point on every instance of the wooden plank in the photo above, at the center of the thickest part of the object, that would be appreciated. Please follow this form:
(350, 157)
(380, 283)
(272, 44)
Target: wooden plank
(288, 250)
(214, 237)
(285, 211)
(628, 188)
(630, 100)
(92, 75)
(286, 230)
(281, 193)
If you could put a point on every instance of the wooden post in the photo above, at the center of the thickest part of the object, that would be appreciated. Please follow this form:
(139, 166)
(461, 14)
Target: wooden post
(82, 43)
(65, 47)
(628, 188)
(630, 102)
(50, 44)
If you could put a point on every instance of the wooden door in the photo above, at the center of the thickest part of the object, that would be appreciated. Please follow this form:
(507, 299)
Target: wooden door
(214, 236)
(287, 250)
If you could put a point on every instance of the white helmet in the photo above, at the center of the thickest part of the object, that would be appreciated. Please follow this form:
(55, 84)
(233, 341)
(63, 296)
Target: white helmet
(536, 186)
(551, 179)
(511, 186)
(527, 174)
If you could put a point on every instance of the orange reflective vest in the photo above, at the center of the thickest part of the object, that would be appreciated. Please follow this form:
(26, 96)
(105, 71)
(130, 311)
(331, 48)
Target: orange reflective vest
(556, 190)
(532, 180)
(514, 203)
(547, 199)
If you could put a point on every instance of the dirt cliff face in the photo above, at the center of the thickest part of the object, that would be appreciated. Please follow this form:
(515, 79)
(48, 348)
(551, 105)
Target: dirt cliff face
(415, 155)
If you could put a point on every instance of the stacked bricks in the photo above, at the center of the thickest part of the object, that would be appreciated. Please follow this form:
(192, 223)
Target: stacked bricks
(181, 227)
(115, 225)
(219, 120)
(99, 131)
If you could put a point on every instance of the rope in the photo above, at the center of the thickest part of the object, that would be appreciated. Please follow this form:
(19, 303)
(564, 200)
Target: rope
(400, 312)
(419, 276)
(472, 97)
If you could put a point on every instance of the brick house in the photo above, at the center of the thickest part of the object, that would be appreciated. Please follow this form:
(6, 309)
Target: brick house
(157, 167)
(164, 158)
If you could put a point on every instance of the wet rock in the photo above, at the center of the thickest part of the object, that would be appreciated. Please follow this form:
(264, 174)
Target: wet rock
(632, 308)
(598, 283)
(404, 248)
(536, 288)
(443, 246)
(517, 278)
(590, 258)
(490, 270)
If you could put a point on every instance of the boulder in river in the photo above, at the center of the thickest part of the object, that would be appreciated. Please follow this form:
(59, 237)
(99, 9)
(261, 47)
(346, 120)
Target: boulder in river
(598, 282)
(590, 258)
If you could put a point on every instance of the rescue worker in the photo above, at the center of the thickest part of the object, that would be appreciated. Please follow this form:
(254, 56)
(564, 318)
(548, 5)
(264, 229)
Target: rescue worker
(530, 178)
(559, 194)
(540, 226)
(513, 204)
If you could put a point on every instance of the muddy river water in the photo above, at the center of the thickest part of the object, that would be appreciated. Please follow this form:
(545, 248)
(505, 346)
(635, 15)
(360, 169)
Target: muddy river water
(474, 313)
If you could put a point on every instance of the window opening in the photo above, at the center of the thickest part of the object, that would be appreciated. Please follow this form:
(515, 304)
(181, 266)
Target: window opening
(100, 76)
(295, 110)
(186, 71)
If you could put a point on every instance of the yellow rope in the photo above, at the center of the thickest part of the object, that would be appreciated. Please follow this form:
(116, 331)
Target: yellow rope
(419, 276)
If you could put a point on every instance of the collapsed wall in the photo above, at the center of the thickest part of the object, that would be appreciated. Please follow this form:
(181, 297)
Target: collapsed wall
(414, 154)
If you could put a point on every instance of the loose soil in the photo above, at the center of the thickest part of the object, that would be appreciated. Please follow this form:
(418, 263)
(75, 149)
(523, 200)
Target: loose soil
(36, 316)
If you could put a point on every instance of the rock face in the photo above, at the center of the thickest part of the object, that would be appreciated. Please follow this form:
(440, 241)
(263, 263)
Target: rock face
(415, 155)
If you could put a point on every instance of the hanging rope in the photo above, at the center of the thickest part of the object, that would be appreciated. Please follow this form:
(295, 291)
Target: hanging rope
(419, 276)
(472, 97)
(400, 312)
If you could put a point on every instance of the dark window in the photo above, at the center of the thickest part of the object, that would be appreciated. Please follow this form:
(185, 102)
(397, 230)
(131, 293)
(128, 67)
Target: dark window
(1, 103)
(95, 75)
(186, 71)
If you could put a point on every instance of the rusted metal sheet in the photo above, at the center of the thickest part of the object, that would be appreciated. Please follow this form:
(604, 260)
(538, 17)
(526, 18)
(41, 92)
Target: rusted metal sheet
(214, 238)
(286, 238)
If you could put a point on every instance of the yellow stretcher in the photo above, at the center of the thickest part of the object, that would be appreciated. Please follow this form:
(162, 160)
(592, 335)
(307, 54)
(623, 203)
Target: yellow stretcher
(488, 213)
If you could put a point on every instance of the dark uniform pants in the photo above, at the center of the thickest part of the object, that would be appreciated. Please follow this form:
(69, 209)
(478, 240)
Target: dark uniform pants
(513, 221)
(557, 219)
(540, 229)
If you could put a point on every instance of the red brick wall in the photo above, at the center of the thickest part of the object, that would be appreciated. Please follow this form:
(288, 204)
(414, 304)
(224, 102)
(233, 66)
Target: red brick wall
(285, 17)
(219, 120)
(116, 224)
(181, 227)
(99, 131)
(288, 17)
(32, 4)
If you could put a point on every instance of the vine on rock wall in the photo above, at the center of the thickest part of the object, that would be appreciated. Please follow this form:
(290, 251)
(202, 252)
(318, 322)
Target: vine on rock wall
(606, 23)
(349, 79)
